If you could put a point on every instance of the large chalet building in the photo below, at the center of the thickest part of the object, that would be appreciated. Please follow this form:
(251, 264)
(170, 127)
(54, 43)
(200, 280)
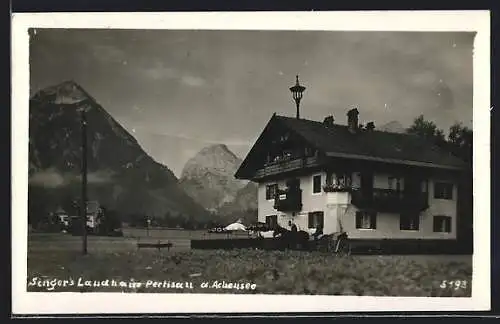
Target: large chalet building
(368, 183)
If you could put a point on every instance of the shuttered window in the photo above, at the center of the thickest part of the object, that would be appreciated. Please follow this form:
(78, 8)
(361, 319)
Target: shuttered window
(317, 184)
(272, 221)
(315, 219)
(409, 221)
(271, 191)
(442, 224)
(443, 190)
(366, 220)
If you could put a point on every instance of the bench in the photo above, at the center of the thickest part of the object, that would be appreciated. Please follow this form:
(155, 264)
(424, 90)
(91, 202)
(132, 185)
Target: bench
(157, 245)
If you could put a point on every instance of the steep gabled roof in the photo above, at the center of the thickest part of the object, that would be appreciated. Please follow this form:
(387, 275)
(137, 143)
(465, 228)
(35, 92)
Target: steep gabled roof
(337, 141)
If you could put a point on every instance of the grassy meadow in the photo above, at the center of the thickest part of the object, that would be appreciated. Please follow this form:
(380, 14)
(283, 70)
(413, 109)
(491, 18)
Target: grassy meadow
(116, 265)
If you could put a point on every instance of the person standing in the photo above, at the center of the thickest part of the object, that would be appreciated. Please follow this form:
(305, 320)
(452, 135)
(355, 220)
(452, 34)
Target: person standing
(319, 232)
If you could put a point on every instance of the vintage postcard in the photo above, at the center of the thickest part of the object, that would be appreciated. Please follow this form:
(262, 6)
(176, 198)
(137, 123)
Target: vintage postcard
(251, 162)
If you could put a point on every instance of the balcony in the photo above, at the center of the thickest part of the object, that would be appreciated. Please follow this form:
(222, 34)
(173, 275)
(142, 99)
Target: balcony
(337, 188)
(283, 166)
(392, 201)
(288, 200)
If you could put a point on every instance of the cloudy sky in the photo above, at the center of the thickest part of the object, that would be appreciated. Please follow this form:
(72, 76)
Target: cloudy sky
(178, 91)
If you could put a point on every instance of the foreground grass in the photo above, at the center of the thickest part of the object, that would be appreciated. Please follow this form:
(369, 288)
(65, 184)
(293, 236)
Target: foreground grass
(272, 272)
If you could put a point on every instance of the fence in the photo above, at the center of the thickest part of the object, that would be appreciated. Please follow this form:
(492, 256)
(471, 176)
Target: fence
(384, 246)
(174, 233)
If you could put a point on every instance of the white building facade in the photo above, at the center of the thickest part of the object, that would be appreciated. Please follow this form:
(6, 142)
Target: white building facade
(346, 178)
(337, 213)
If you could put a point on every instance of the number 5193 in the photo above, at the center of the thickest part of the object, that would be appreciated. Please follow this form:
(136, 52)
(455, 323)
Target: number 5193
(455, 284)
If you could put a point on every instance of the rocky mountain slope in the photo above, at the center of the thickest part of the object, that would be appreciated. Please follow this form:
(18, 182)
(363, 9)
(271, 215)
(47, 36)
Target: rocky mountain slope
(246, 198)
(208, 177)
(120, 174)
(392, 127)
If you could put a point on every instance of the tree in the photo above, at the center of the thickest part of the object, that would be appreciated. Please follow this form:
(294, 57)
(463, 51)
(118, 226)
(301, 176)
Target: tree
(459, 143)
(428, 130)
(460, 139)
(41, 201)
(138, 220)
(110, 221)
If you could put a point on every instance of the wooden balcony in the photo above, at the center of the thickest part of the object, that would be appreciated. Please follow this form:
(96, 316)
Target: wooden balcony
(336, 188)
(275, 168)
(391, 201)
(288, 200)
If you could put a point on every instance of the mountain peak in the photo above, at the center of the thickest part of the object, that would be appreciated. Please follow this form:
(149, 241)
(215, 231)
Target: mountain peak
(216, 158)
(208, 177)
(392, 127)
(66, 92)
(66, 99)
(136, 183)
(219, 149)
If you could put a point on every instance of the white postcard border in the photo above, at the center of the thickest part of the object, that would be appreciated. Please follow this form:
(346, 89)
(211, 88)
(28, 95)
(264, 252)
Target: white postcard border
(24, 302)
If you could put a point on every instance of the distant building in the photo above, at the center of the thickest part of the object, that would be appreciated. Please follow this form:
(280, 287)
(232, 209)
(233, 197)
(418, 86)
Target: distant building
(62, 216)
(94, 212)
(368, 183)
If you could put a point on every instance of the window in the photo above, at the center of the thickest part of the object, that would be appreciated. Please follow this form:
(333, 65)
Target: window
(272, 221)
(409, 221)
(317, 184)
(443, 190)
(339, 180)
(343, 180)
(315, 219)
(366, 220)
(271, 191)
(442, 224)
(395, 183)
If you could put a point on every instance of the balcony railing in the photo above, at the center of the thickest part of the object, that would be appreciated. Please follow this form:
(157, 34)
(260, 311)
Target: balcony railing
(388, 200)
(288, 200)
(337, 188)
(274, 168)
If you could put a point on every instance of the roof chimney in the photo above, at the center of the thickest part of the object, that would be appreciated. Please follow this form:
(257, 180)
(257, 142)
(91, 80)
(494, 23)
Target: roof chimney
(352, 120)
(370, 126)
(328, 121)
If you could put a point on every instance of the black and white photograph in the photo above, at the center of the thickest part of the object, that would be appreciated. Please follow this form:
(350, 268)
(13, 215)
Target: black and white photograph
(252, 162)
